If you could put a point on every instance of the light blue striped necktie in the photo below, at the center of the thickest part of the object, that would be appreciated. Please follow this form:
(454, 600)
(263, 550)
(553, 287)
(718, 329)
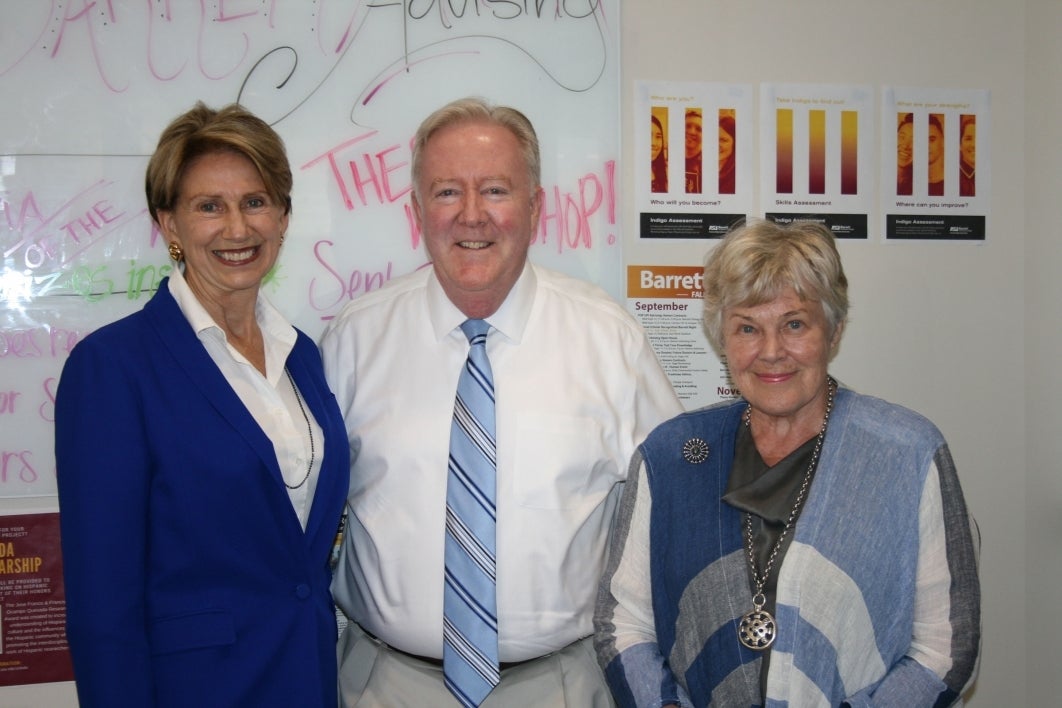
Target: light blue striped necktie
(470, 610)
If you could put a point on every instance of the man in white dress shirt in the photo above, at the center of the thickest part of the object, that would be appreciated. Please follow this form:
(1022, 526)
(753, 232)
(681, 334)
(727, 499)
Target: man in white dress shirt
(577, 388)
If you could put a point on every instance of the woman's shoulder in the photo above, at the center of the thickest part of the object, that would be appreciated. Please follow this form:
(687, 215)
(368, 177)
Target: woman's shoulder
(701, 421)
(123, 333)
(885, 419)
(128, 329)
(719, 409)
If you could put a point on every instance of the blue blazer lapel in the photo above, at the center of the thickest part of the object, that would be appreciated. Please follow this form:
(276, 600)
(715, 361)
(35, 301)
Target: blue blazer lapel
(331, 485)
(192, 358)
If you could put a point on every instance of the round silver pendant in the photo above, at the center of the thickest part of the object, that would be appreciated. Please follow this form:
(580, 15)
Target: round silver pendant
(757, 630)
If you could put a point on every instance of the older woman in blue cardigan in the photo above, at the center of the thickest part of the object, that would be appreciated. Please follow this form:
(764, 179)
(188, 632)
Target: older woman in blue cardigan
(804, 545)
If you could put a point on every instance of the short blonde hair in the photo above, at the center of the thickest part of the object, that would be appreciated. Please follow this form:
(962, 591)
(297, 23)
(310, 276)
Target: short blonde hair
(477, 110)
(757, 262)
(203, 130)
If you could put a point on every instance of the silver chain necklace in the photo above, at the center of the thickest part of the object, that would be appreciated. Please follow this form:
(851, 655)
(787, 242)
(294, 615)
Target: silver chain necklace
(757, 629)
(309, 429)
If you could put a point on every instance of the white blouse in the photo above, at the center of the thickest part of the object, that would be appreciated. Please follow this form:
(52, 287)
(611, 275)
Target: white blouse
(271, 399)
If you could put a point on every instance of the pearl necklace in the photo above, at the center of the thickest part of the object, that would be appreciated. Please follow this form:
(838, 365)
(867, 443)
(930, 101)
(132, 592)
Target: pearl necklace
(309, 429)
(757, 628)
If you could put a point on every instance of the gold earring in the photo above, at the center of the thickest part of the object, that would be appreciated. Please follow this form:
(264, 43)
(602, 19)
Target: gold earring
(175, 252)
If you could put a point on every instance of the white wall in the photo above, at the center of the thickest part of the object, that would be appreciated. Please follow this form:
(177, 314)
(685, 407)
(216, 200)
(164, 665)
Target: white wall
(938, 327)
(1042, 380)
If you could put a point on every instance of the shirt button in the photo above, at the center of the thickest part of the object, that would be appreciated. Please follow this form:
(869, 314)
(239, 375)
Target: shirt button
(302, 591)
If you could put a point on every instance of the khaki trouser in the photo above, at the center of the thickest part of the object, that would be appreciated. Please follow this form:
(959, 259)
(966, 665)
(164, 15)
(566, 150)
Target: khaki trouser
(373, 675)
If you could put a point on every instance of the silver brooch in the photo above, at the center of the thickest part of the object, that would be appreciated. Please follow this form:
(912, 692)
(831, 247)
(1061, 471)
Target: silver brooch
(695, 451)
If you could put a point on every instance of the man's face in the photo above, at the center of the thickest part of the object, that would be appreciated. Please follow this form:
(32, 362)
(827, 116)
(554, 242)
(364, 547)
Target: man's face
(936, 144)
(477, 211)
(693, 135)
(905, 145)
(969, 144)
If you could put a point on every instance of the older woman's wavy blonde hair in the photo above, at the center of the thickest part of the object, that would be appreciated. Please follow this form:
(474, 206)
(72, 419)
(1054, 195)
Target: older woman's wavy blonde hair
(757, 262)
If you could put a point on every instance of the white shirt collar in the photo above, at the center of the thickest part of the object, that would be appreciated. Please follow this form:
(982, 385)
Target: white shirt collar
(510, 319)
(277, 334)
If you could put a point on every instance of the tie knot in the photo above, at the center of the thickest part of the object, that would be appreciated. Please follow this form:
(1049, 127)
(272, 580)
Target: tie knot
(476, 331)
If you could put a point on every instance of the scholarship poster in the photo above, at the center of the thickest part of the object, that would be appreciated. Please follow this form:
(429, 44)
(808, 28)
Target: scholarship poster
(33, 647)
(817, 155)
(668, 301)
(935, 164)
(694, 171)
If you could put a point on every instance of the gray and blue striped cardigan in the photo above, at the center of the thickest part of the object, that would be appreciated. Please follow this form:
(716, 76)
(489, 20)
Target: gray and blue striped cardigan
(878, 599)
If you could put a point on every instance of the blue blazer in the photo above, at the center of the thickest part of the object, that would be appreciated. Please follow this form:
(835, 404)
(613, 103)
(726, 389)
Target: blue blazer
(189, 580)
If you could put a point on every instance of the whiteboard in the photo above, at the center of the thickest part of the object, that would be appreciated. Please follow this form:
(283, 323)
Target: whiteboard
(88, 87)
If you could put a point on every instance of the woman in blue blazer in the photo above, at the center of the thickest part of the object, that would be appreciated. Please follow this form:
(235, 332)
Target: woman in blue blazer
(202, 460)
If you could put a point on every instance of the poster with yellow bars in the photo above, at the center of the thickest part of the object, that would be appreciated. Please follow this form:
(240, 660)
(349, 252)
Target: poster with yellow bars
(818, 156)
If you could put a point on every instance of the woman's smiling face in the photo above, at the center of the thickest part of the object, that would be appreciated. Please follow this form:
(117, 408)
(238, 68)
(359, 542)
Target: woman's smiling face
(227, 226)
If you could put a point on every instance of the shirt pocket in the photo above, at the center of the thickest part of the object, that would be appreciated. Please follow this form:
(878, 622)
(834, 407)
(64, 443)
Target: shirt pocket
(191, 630)
(561, 462)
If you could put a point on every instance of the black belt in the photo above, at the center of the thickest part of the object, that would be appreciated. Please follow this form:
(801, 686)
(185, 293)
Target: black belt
(437, 663)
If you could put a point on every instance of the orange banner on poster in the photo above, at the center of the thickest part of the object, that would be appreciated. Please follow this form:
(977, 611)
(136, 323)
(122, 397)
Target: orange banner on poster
(665, 281)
